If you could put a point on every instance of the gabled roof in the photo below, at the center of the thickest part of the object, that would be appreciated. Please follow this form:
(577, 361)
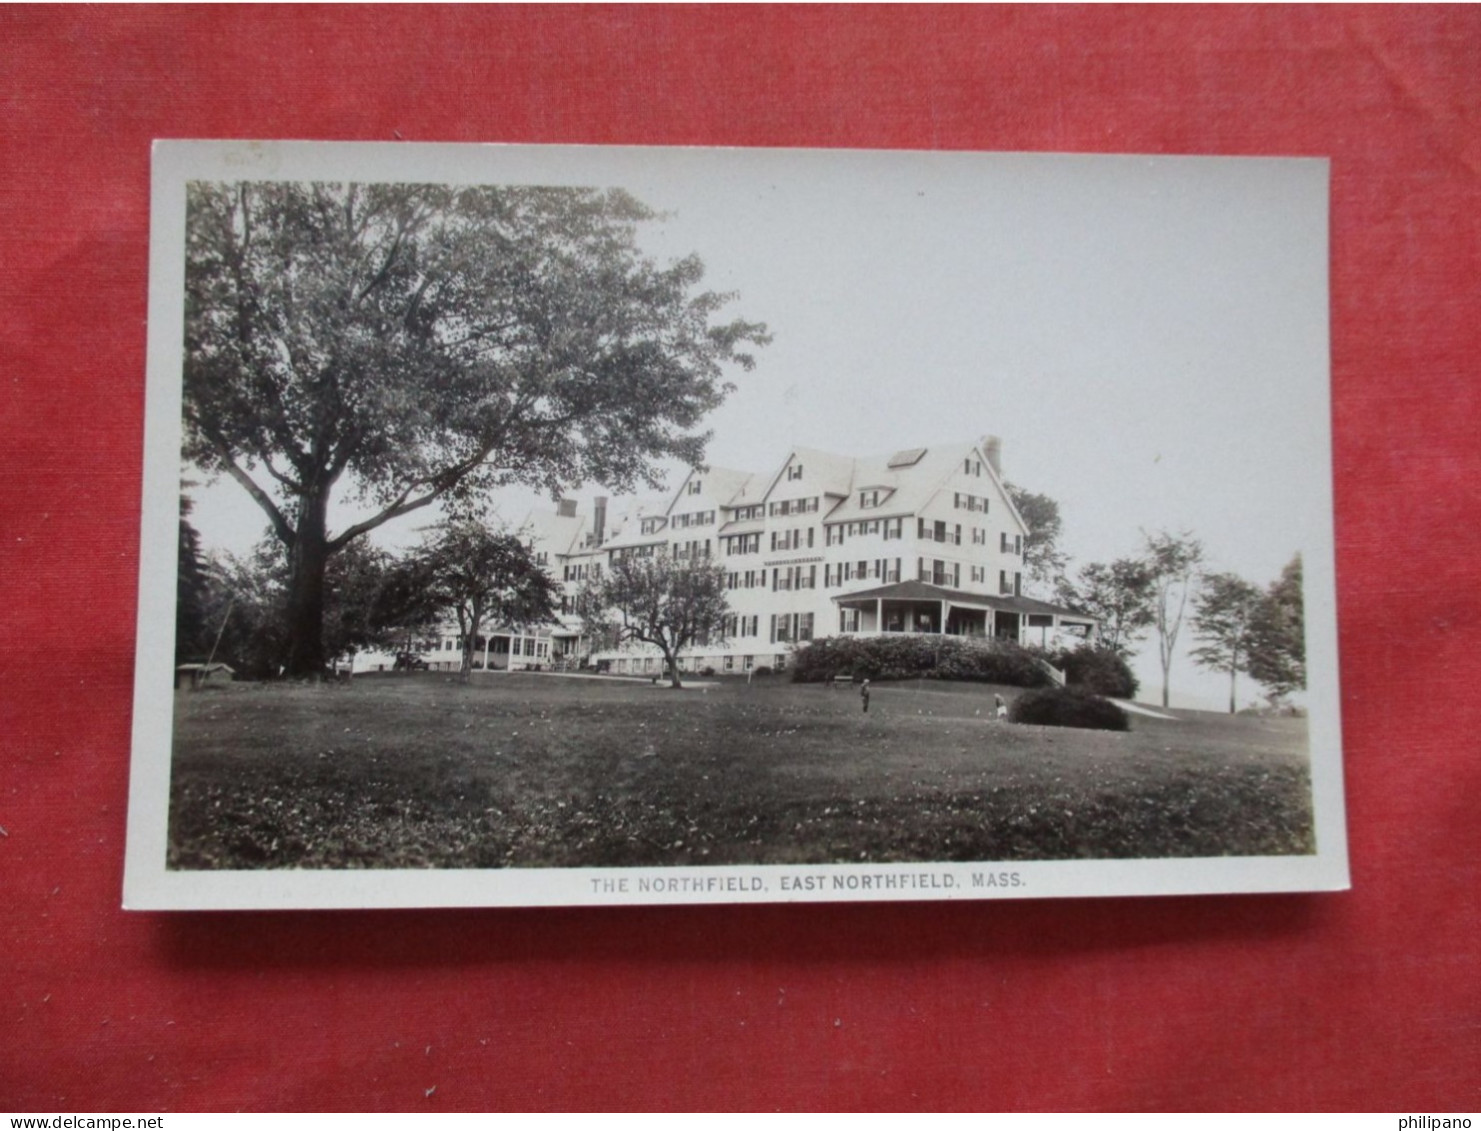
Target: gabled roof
(751, 492)
(558, 533)
(719, 485)
(833, 472)
(911, 484)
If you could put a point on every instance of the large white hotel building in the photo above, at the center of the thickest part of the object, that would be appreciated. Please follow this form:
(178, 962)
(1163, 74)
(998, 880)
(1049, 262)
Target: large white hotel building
(918, 540)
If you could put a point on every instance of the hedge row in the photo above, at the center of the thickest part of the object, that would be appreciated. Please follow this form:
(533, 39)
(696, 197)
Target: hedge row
(912, 656)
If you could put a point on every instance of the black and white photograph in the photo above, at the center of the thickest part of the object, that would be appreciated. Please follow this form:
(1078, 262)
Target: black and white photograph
(582, 525)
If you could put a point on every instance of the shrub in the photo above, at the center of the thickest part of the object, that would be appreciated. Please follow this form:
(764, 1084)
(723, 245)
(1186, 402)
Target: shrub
(707, 671)
(1098, 671)
(1067, 707)
(919, 655)
(762, 670)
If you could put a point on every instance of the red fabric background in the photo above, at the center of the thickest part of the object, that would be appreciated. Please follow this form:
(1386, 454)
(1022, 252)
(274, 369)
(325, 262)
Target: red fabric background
(1368, 999)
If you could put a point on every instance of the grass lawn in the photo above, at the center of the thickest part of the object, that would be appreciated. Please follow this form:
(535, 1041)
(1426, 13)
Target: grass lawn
(539, 770)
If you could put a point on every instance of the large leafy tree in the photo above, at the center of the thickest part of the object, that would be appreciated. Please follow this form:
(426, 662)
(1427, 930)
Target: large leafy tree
(374, 599)
(1174, 561)
(1119, 595)
(1277, 641)
(403, 344)
(668, 602)
(1043, 560)
(1222, 617)
(486, 577)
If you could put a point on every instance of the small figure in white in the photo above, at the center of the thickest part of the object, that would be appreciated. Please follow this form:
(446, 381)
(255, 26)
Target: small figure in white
(1000, 709)
(864, 695)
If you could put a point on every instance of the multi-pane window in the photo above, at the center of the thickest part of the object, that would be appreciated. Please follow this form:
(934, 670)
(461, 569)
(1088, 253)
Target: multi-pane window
(632, 552)
(794, 539)
(936, 572)
(848, 620)
(743, 543)
(695, 486)
(1010, 584)
(838, 533)
(794, 471)
(652, 525)
(1011, 543)
(786, 578)
(937, 531)
(744, 514)
(790, 627)
(965, 502)
(794, 506)
(872, 497)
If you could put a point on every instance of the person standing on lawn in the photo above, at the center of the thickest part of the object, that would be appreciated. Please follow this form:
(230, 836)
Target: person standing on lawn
(864, 695)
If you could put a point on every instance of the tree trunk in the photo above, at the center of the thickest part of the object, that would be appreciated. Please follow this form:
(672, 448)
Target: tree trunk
(470, 639)
(673, 663)
(308, 556)
(1231, 691)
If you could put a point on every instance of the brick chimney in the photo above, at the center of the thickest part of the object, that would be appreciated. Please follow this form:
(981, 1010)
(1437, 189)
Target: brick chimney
(992, 448)
(599, 519)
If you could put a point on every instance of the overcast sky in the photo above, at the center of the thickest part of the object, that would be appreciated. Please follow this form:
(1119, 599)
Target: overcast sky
(1147, 335)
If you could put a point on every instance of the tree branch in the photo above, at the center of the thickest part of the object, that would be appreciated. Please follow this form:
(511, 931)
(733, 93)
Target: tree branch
(281, 526)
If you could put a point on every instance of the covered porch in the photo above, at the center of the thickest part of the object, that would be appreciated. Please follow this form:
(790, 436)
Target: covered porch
(919, 607)
(514, 649)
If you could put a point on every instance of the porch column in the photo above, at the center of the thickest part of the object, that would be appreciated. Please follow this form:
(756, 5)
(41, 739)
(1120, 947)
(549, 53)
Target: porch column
(487, 640)
(942, 630)
(878, 615)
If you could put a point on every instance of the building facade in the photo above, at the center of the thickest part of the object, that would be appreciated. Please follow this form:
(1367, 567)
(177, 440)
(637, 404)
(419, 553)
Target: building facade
(922, 540)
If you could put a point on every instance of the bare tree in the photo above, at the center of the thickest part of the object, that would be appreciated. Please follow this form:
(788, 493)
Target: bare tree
(1174, 561)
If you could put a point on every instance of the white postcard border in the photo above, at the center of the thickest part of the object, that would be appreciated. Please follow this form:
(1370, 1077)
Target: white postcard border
(149, 885)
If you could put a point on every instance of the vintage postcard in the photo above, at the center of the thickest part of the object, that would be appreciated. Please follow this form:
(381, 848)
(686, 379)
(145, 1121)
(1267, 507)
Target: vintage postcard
(583, 526)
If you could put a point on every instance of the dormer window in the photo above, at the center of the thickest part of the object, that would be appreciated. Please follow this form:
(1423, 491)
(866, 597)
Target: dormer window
(871, 497)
